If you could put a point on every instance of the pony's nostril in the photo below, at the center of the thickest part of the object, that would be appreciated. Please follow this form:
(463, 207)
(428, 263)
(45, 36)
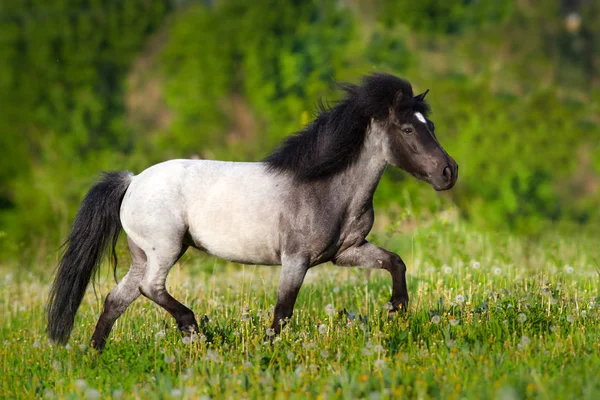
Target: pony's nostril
(447, 173)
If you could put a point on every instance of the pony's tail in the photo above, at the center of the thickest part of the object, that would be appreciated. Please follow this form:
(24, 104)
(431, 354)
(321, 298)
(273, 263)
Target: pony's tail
(96, 227)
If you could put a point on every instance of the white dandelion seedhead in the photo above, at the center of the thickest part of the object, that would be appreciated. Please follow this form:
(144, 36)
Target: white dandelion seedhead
(476, 264)
(169, 359)
(450, 343)
(379, 364)
(323, 329)
(569, 269)
(447, 269)
(92, 394)
(454, 322)
(270, 332)
(521, 317)
(571, 318)
(330, 310)
(497, 271)
(436, 319)
(459, 299)
(189, 339)
(159, 335)
(80, 384)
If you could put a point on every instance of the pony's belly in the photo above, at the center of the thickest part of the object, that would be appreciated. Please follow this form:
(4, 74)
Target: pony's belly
(238, 244)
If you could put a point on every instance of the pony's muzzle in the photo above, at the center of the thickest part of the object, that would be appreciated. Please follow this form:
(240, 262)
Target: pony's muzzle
(448, 177)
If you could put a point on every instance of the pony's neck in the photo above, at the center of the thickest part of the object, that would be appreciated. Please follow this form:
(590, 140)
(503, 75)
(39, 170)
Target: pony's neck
(358, 182)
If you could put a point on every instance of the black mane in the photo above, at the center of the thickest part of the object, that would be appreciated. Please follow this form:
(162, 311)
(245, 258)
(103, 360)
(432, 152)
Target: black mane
(333, 141)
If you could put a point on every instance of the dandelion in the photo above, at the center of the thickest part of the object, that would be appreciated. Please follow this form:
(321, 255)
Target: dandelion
(159, 335)
(270, 332)
(245, 317)
(366, 351)
(68, 347)
(447, 269)
(117, 394)
(497, 271)
(212, 355)
(546, 291)
(436, 319)
(336, 290)
(80, 384)
(378, 348)
(454, 322)
(379, 364)
(553, 300)
(570, 318)
(169, 359)
(92, 394)
(388, 306)
(324, 354)
(323, 329)
(521, 317)
(290, 355)
(49, 394)
(330, 310)
(36, 344)
(176, 393)
(460, 299)
(524, 342)
(450, 343)
(475, 265)
(569, 269)
(82, 346)
(189, 339)
(248, 365)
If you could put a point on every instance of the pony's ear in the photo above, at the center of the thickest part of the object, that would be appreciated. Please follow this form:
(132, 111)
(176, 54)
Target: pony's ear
(421, 96)
(398, 97)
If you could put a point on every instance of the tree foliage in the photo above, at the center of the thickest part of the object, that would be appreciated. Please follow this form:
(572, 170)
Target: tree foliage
(514, 90)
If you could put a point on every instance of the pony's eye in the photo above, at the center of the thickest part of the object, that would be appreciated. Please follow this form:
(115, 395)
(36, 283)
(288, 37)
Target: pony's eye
(407, 131)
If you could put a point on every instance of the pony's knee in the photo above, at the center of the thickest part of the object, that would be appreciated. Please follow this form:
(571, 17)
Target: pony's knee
(396, 264)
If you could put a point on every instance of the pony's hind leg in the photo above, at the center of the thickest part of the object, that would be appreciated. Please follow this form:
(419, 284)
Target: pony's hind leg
(126, 291)
(153, 287)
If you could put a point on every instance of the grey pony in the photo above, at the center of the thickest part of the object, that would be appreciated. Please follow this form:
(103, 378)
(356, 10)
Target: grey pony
(309, 202)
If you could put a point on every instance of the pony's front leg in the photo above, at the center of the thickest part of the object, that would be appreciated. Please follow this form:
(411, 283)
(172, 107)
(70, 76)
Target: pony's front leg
(370, 256)
(293, 270)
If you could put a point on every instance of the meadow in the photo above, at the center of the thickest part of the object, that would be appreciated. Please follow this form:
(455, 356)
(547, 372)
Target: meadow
(491, 316)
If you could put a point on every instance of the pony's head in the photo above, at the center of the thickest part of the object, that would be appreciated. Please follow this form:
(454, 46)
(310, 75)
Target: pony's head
(411, 144)
(383, 105)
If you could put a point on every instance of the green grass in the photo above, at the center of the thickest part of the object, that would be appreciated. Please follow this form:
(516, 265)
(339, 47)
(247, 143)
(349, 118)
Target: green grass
(524, 324)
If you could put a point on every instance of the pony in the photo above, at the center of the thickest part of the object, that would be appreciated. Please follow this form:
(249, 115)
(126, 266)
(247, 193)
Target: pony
(309, 202)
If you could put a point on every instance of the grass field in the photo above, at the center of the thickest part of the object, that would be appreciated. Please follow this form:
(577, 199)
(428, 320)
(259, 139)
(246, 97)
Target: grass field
(490, 317)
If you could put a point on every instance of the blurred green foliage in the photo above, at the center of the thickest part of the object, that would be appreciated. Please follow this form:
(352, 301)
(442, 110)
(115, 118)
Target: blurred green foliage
(90, 85)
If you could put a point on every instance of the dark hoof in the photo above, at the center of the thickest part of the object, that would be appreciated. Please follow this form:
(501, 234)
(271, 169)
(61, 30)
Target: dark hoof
(400, 308)
(98, 346)
(189, 330)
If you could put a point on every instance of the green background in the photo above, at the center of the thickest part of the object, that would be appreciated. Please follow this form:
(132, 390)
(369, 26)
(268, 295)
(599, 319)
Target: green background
(96, 85)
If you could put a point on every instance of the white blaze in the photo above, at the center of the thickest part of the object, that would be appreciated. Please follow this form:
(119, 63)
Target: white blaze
(420, 117)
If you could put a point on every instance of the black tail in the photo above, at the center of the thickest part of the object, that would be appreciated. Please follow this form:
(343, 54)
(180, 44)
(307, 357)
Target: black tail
(96, 227)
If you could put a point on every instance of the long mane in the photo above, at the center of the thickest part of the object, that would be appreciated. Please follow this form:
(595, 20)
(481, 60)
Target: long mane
(334, 140)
